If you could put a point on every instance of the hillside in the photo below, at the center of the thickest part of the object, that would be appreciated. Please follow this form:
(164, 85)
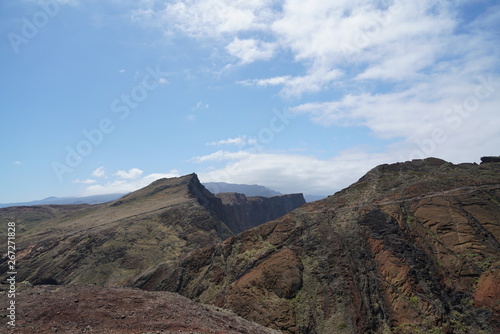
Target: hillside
(109, 243)
(409, 248)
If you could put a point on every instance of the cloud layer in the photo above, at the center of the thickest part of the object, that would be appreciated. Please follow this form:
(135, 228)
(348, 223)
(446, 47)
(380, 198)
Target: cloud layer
(421, 75)
(122, 181)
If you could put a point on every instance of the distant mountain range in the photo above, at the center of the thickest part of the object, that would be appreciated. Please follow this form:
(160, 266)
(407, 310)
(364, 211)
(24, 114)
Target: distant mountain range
(248, 190)
(96, 199)
(214, 187)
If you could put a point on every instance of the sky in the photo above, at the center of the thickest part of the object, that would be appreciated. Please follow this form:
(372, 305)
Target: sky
(297, 95)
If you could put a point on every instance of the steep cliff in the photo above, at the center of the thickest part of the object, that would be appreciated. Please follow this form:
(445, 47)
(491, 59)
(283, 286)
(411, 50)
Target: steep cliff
(241, 213)
(110, 243)
(409, 248)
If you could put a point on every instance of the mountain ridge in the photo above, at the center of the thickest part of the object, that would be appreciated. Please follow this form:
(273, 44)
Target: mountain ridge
(410, 248)
(213, 187)
(108, 243)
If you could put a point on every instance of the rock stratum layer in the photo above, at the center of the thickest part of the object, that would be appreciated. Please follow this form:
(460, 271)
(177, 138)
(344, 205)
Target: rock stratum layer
(410, 248)
(108, 244)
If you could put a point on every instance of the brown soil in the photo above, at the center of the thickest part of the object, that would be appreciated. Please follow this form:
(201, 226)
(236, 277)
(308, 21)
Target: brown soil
(93, 309)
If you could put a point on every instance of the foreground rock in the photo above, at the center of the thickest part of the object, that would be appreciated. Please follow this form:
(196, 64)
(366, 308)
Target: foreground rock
(409, 248)
(92, 309)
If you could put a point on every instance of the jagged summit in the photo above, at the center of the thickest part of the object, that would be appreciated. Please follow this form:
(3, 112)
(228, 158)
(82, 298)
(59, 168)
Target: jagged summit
(161, 188)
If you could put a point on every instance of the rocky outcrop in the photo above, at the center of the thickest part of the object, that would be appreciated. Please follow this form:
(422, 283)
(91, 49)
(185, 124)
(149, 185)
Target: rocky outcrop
(410, 248)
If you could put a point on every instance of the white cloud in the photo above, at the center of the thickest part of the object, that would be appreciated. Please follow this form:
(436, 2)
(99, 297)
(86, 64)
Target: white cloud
(127, 185)
(216, 17)
(396, 67)
(17, 162)
(239, 141)
(191, 117)
(86, 181)
(200, 105)
(312, 82)
(267, 82)
(446, 117)
(290, 173)
(335, 41)
(131, 174)
(250, 50)
(222, 156)
(99, 172)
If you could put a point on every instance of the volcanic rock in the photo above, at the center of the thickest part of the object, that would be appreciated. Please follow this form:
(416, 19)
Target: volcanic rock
(410, 248)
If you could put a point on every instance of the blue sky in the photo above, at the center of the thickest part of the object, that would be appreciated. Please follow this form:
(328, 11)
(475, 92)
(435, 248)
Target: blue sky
(300, 96)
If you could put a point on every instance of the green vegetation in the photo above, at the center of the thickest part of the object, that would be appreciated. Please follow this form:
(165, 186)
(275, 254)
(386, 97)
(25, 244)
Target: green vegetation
(415, 302)
(342, 325)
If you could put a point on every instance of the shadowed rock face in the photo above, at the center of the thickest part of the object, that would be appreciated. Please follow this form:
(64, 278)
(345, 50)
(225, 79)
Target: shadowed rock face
(409, 248)
(490, 159)
(242, 213)
(110, 243)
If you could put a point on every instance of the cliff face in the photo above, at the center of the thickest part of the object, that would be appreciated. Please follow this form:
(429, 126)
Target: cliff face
(238, 212)
(241, 213)
(409, 248)
(110, 243)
